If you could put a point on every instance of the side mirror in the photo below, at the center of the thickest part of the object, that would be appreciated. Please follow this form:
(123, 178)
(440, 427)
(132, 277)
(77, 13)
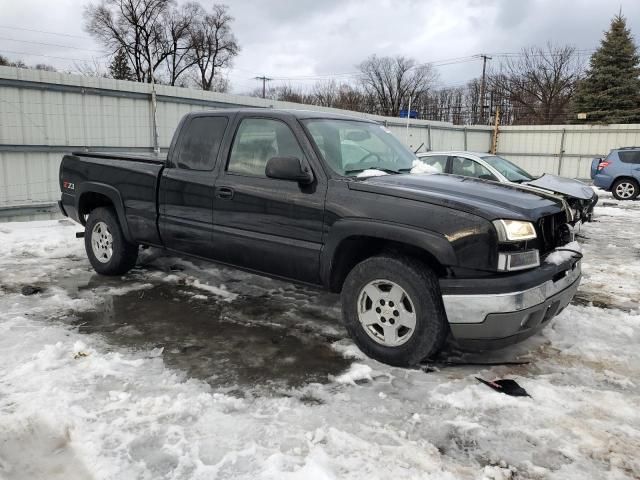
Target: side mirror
(289, 168)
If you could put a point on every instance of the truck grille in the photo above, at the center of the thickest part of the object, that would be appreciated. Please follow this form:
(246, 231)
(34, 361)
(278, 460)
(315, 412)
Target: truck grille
(549, 230)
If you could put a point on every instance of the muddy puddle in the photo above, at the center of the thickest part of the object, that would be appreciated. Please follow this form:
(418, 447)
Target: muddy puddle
(224, 343)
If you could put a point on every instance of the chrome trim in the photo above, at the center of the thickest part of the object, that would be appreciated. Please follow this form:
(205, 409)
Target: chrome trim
(475, 308)
(504, 261)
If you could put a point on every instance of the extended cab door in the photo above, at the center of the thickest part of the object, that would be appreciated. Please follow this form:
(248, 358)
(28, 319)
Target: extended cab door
(187, 185)
(265, 224)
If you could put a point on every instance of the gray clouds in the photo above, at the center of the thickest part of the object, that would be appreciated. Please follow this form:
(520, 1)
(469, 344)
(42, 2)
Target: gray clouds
(310, 38)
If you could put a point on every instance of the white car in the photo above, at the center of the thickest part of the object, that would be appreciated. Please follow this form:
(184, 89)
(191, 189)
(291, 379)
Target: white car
(487, 166)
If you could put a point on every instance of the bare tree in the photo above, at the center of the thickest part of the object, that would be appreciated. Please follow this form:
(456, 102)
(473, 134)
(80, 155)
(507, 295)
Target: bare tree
(213, 45)
(90, 68)
(350, 98)
(134, 26)
(325, 93)
(539, 83)
(284, 93)
(178, 38)
(391, 81)
(4, 61)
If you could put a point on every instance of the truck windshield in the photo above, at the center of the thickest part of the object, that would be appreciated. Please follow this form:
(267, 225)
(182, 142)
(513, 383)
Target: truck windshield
(351, 147)
(511, 171)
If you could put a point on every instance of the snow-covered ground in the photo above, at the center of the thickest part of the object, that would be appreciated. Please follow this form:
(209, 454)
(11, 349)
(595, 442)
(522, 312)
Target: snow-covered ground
(185, 370)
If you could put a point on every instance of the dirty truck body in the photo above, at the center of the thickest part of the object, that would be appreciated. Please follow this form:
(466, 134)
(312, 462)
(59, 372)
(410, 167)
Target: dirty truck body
(416, 257)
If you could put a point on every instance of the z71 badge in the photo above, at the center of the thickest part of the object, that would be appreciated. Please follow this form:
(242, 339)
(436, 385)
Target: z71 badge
(68, 185)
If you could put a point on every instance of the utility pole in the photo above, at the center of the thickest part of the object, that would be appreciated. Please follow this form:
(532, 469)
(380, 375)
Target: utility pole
(264, 84)
(483, 85)
(408, 117)
(496, 131)
(154, 112)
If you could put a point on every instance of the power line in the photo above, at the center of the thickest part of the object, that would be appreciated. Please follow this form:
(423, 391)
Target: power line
(47, 56)
(436, 63)
(44, 31)
(583, 52)
(54, 45)
(264, 83)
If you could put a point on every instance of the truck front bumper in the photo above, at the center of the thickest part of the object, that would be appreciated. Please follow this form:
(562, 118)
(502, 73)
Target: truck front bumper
(499, 311)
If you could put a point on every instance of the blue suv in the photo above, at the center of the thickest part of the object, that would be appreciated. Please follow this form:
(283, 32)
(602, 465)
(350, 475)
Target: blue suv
(618, 173)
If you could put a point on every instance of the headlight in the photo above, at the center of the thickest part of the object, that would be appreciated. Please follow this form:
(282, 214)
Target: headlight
(514, 230)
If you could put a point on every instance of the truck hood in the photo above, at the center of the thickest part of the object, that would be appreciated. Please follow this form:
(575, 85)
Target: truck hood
(489, 200)
(563, 186)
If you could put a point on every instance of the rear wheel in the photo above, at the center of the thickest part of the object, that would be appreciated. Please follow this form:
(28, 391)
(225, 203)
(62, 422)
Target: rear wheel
(625, 189)
(392, 308)
(108, 251)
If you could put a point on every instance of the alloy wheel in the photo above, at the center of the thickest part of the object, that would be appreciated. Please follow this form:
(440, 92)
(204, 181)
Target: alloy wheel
(386, 312)
(102, 242)
(626, 190)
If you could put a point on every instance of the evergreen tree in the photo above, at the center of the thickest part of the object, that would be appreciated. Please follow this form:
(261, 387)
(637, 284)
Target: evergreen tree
(610, 92)
(119, 67)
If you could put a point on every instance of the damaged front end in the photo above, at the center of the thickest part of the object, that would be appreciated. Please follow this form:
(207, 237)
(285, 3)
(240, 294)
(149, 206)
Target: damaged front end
(580, 198)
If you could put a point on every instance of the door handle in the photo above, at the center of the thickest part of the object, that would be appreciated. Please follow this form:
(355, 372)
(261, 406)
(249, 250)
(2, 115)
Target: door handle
(224, 193)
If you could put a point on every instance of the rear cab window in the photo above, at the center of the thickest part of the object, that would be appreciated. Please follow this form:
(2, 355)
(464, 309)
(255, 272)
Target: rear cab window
(201, 143)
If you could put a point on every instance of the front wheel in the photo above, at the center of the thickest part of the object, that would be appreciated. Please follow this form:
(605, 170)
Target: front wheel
(625, 189)
(392, 309)
(108, 251)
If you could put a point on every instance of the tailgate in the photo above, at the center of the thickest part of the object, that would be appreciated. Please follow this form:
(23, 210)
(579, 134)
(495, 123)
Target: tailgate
(130, 184)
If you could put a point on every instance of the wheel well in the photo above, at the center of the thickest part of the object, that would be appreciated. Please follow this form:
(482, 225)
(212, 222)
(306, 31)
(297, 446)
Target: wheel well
(353, 250)
(625, 177)
(90, 201)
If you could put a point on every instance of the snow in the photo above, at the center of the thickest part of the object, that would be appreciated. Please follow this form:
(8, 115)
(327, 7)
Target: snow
(418, 167)
(421, 167)
(564, 253)
(220, 291)
(371, 172)
(357, 372)
(80, 405)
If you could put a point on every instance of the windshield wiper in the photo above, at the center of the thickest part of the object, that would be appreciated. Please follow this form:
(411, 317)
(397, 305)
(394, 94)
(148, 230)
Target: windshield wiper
(360, 170)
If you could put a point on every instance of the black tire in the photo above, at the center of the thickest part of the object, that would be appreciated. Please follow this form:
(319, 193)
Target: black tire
(420, 285)
(124, 254)
(631, 184)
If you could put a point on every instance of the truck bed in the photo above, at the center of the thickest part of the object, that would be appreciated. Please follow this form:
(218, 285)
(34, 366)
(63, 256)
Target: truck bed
(136, 157)
(129, 180)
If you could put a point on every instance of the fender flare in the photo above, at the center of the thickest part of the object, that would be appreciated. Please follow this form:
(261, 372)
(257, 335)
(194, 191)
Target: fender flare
(112, 194)
(433, 243)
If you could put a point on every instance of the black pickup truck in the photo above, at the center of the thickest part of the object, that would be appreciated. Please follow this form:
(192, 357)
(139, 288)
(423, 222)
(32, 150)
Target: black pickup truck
(329, 201)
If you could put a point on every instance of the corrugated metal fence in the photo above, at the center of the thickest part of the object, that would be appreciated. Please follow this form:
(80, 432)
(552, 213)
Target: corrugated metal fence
(45, 114)
(565, 150)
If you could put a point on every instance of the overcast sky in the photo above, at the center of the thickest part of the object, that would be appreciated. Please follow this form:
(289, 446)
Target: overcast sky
(302, 41)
